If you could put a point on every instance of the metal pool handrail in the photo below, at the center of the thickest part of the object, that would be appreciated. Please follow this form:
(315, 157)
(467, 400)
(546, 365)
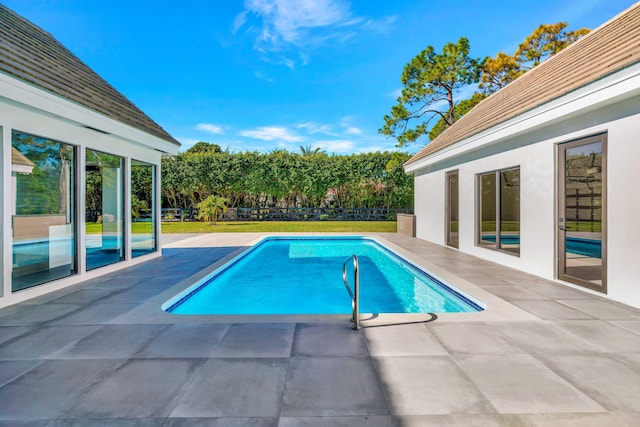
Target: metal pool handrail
(355, 294)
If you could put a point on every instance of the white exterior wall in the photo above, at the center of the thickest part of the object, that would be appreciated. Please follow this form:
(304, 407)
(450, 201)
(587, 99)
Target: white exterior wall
(623, 211)
(429, 207)
(537, 162)
(536, 207)
(61, 125)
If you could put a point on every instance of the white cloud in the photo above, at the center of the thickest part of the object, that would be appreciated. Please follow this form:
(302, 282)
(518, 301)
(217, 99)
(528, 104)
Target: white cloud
(352, 130)
(314, 128)
(284, 25)
(272, 133)
(382, 26)
(263, 76)
(211, 128)
(337, 146)
(288, 21)
(239, 21)
(348, 127)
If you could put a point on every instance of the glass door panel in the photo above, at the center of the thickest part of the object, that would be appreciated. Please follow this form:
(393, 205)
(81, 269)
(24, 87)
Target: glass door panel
(143, 219)
(452, 209)
(488, 211)
(581, 217)
(104, 209)
(43, 214)
(510, 211)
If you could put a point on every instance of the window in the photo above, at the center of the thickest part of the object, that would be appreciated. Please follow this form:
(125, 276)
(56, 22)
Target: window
(499, 210)
(44, 231)
(104, 209)
(143, 219)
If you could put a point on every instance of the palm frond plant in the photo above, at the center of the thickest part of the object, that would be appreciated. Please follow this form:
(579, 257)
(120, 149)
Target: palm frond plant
(210, 208)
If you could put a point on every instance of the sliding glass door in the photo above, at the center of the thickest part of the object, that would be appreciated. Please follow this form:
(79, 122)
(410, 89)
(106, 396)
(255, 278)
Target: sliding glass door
(104, 210)
(43, 220)
(143, 218)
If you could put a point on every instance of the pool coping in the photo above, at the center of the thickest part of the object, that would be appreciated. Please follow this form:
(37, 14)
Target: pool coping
(496, 309)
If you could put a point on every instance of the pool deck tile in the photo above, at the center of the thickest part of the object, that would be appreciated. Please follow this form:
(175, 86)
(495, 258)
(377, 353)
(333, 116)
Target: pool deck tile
(332, 386)
(221, 422)
(353, 421)
(95, 314)
(148, 388)
(99, 345)
(602, 309)
(604, 378)
(46, 391)
(102, 352)
(423, 385)
(38, 314)
(403, 340)
(520, 384)
(184, 340)
(473, 338)
(551, 310)
(327, 340)
(460, 420)
(44, 342)
(604, 336)
(220, 389)
(113, 422)
(256, 340)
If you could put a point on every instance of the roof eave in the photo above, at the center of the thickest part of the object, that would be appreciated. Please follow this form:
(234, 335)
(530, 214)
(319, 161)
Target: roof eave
(35, 98)
(616, 87)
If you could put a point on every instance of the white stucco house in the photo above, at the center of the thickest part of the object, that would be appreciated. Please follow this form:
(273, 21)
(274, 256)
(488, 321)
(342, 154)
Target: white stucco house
(79, 168)
(543, 175)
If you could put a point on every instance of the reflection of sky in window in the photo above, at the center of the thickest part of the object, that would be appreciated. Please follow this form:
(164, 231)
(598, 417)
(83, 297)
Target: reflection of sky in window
(585, 150)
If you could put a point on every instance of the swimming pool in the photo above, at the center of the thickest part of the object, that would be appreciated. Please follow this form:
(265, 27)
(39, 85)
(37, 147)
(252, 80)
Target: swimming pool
(302, 275)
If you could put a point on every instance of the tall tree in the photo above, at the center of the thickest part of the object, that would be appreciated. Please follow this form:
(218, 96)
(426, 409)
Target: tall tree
(499, 72)
(430, 80)
(461, 108)
(204, 148)
(545, 41)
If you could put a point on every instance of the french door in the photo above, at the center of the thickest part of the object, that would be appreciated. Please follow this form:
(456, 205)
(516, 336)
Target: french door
(582, 177)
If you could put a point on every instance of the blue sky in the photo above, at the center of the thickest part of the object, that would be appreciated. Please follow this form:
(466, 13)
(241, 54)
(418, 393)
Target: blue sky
(268, 74)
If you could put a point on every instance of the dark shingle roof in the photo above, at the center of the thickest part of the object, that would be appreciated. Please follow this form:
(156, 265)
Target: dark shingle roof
(32, 55)
(606, 50)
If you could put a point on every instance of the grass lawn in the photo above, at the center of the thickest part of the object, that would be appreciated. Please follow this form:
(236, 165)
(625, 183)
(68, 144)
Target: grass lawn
(137, 228)
(276, 226)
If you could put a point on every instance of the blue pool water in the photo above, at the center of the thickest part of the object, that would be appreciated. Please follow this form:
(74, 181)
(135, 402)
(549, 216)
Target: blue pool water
(575, 245)
(304, 276)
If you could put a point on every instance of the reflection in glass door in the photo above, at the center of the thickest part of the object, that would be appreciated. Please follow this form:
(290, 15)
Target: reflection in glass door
(143, 218)
(104, 209)
(581, 216)
(452, 208)
(43, 212)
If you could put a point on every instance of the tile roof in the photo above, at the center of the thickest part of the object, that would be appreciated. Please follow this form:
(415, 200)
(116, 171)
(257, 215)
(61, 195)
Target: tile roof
(611, 47)
(32, 55)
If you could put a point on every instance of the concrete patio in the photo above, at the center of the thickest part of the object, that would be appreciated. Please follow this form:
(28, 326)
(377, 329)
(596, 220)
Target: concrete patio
(103, 353)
